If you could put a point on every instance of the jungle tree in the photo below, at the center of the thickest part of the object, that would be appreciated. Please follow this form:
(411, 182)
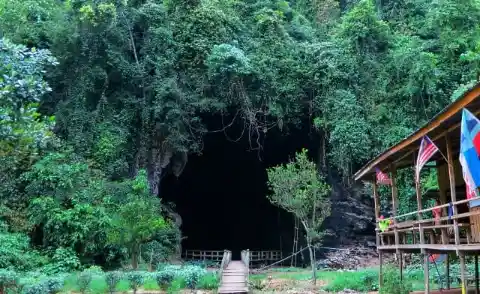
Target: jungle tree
(298, 188)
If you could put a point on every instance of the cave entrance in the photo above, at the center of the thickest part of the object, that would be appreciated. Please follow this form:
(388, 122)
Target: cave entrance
(221, 195)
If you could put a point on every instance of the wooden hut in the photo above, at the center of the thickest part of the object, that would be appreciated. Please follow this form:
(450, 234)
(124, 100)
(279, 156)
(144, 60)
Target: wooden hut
(458, 231)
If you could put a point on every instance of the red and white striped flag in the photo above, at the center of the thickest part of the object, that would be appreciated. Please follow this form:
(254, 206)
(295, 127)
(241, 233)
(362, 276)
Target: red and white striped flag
(382, 178)
(427, 150)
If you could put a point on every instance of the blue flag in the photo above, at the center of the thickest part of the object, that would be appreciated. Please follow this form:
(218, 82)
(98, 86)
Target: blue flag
(470, 129)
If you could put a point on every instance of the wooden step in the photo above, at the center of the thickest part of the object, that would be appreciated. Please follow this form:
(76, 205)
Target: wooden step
(232, 290)
(234, 278)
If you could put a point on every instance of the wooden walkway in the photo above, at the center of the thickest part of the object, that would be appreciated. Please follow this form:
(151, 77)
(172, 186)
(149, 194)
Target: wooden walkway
(234, 278)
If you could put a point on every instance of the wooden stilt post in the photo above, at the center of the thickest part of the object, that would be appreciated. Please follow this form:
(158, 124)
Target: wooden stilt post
(395, 205)
(380, 272)
(462, 272)
(426, 273)
(376, 200)
(418, 194)
(477, 286)
(447, 270)
(401, 266)
(451, 176)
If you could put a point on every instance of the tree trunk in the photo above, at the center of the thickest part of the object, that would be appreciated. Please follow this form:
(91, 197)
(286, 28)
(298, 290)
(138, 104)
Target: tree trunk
(134, 256)
(312, 262)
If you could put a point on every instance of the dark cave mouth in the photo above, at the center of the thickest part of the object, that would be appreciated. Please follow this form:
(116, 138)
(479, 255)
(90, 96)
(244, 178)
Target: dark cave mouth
(222, 194)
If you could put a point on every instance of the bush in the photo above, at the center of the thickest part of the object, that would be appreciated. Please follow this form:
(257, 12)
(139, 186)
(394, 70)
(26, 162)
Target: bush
(208, 282)
(135, 280)
(54, 284)
(364, 281)
(164, 278)
(36, 288)
(112, 279)
(8, 280)
(192, 276)
(177, 285)
(83, 280)
(63, 260)
(15, 252)
(392, 283)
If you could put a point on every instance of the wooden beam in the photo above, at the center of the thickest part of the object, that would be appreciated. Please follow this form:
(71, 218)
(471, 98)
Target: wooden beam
(453, 193)
(462, 273)
(401, 266)
(426, 273)
(418, 191)
(376, 200)
(380, 272)
(436, 122)
(447, 270)
(477, 286)
(395, 204)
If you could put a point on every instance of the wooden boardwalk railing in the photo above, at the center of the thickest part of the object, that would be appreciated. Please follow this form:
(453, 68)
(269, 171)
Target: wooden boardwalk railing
(213, 255)
(234, 274)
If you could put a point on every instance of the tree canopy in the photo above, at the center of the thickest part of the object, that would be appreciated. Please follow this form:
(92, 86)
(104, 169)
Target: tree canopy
(103, 89)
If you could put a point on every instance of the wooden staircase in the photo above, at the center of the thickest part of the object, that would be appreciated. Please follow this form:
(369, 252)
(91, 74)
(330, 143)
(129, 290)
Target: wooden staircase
(234, 274)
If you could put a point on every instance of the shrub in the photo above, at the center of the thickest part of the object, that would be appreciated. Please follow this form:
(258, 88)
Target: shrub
(36, 288)
(358, 281)
(15, 252)
(83, 280)
(112, 279)
(54, 284)
(164, 278)
(135, 280)
(392, 283)
(177, 285)
(192, 276)
(63, 260)
(208, 282)
(8, 279)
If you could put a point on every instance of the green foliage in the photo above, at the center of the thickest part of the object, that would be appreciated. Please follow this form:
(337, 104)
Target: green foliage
(63, 260)
(112, 279)
(208, 282)
(24, 133)
(8, 280)
(361, 280)
(54, 284)
(177, 285)
(83, 280)
(164, 278)
(298, 188)
(136, 280)
(15, 252)
(393, 284)
(137, 220)
(192, 277)
(134, 82)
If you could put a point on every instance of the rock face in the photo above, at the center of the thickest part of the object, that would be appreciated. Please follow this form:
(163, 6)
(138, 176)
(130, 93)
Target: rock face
(350, 229)
(348, 258)
(352, 217)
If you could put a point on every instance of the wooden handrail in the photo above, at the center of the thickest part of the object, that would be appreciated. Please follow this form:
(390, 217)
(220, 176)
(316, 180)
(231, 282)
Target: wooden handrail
(431, 208)
(227, 257)
(246, 260)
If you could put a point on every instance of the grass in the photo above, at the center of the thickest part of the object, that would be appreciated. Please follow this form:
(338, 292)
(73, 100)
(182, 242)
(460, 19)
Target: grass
(98, 285)
(363, 280)
(209, 282)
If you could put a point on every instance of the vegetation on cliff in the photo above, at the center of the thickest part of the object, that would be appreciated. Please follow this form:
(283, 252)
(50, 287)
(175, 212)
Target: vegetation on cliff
(99, 99)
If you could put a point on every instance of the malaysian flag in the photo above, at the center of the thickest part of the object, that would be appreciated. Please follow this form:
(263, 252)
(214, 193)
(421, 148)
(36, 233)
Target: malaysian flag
(470, 192)
(427, 150)
(382, 178)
